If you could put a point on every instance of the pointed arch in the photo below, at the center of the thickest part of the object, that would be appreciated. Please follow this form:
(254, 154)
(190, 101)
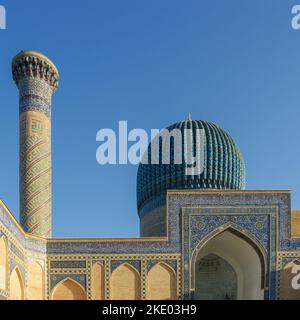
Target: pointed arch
(35, 281)
(98, 281)
(243, 234)
(161, 283)
(16, 285)
(3, 263)
(68, 289)
(125, 283)
(287, 292)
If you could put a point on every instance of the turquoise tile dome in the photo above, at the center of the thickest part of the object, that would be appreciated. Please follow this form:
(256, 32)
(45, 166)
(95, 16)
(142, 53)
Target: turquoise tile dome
(224, 166)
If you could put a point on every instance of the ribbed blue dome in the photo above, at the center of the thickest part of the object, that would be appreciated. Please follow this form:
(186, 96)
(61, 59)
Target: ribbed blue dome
(224, 166)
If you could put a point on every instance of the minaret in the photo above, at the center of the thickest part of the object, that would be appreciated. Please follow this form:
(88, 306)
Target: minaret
(37, 79)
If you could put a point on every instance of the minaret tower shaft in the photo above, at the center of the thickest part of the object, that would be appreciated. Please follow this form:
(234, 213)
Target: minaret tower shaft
(37, 79)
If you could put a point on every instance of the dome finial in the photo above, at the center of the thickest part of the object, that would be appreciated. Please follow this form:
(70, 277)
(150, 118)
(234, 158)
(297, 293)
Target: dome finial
(190, 117)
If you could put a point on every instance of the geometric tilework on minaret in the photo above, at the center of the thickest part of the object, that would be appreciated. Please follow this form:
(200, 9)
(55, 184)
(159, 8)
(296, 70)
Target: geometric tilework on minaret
(37, 78)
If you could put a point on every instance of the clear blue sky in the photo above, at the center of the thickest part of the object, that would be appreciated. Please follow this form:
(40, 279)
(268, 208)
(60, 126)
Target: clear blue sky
(233, 62)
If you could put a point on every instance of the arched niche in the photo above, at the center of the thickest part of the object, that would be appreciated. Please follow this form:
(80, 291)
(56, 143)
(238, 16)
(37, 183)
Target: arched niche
(98, 282)
(16, 285)
(35, 283)
(161, 283)
(68, 289)
(3, 263)
(125, 283)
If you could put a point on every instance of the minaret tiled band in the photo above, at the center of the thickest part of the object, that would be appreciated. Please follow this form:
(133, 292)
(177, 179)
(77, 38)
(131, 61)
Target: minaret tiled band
(37, 79)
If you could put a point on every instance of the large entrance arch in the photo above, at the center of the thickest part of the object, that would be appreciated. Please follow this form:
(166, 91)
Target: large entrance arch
(229, 265)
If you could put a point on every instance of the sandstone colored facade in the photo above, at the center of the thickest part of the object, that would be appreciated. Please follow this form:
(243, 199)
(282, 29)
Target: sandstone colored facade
(203, 237)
